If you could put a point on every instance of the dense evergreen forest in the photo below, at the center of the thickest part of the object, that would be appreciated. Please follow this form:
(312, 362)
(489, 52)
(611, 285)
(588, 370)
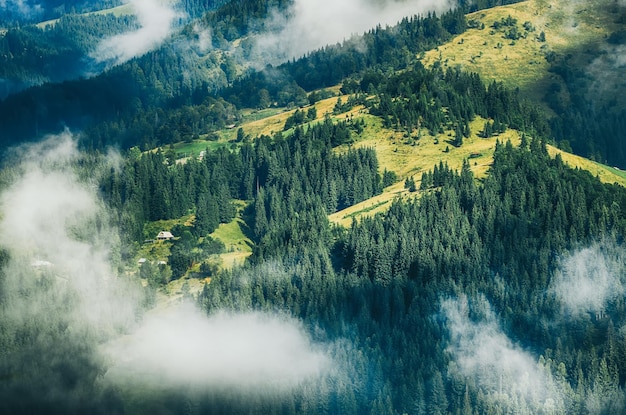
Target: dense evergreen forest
(385, 280)
(62, 49)
(496, 295)
(383, 293)
(33, 56)
(295, 183)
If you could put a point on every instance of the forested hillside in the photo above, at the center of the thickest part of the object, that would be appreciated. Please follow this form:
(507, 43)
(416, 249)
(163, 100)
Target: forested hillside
(458, 293)
(180, 75)
(563, 55)
(396, 274)
(14, 13)
(32, 56)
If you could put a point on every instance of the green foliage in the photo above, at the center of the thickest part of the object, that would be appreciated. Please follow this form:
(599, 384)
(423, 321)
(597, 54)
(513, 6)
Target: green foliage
(389, 178)
(422, 98)
(409, 184)
(381, 288)
(299, 181)
(617, 38)
(30, 55)
(296, 118)
(505, 22)
(542, 36)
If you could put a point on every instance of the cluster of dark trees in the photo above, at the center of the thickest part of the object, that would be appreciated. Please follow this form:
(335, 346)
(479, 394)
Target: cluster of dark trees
(300, 181)
(295, 183)
(382, 282)
(591, 122)
(417, 98)
(300, 117)
(237, 19)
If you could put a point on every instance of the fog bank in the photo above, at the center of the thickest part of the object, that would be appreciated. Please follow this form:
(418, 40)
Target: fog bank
(482, 352)
(246, 351)
(156, 20)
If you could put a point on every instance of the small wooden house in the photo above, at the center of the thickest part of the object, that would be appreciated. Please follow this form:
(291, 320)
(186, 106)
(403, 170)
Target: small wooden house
(165, 236)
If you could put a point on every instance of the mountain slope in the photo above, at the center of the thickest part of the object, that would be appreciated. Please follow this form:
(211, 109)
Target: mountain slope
(523, 60)
(563, 55)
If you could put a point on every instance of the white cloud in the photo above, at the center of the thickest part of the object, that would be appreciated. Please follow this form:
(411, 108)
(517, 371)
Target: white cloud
(156, 19)
(22, 8)
(51, 217)
(204, 38)
(310, 25)
(250, 351)
(59, 274)
(505, 372)
(586, 280)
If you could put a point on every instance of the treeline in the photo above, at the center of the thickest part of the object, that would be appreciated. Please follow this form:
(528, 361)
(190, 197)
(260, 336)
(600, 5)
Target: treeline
(382, 284)
(383, 48)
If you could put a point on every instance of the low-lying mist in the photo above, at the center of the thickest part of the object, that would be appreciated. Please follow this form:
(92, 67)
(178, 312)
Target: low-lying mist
(59, 233)
(21, 8)
(156, 20)
(311, 25)
(248, 351)
(73, 331)
(483, 355)
(587, 280)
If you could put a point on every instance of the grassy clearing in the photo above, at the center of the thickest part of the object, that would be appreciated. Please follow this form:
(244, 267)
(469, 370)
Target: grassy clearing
(486, 52)
(396, 153)
(256, 123)
(276, 121)
(369, 207)
(615, 170)
(194, 148)
(256, 115)
(409, 159)
(237, 245)
(567, 26)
